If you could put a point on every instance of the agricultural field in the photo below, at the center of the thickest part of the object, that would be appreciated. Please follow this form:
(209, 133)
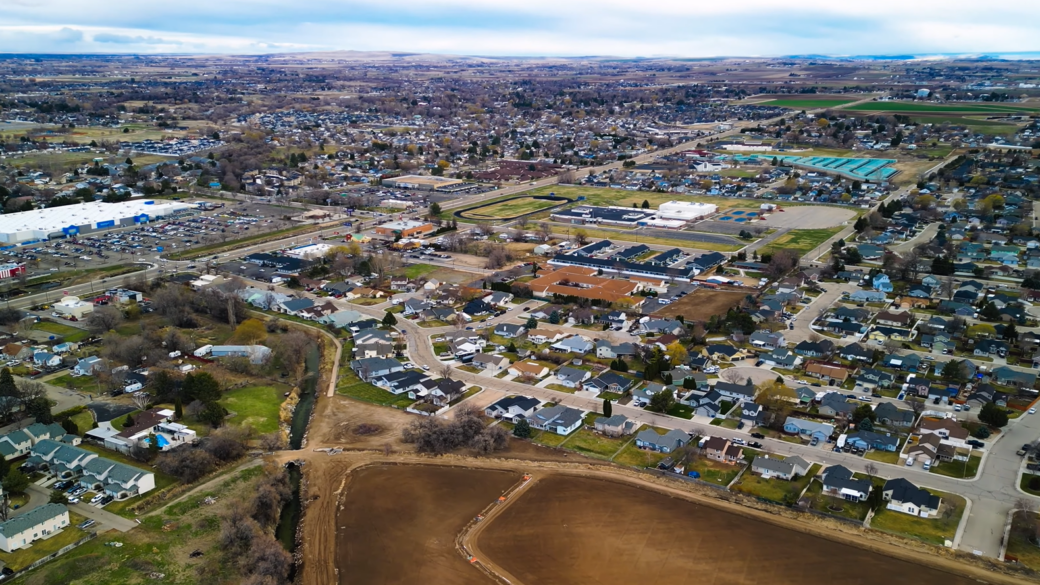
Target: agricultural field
(419, 510)
(702, 304)
(567, 529)
(808, 103)
(918, 108)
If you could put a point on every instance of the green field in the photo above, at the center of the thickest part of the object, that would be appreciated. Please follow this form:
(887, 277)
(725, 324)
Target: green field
(509, 208)
(623, 198)
(974, 108)
(255, 406)
(978, 125)
(805, 104)
(413, 271)
(801, 241)
(66, 332)
(934, 530)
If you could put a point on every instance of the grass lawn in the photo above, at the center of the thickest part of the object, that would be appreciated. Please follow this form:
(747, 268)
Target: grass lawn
(366, 302)
(959, 469)
(255, 406)
(560, 388)
(1024, 484)
(469, 392)
(934, 530)
(371, 393)
(777, 490)
(681, 411)
(512, 206)
(416, 270)
(882, 456)
(713, 471)
(83, 420)
(85, 383)
(729, 423)
(1019, 547)
(823, 503)
(636, 457)
(66, 332)
(589, 443)
(613, 396)
(549, 439)
(20, 559)
(118, 421)
(801, 241)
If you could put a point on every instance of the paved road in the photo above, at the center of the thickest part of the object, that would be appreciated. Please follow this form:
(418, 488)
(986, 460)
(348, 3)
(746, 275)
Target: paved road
(104, 518)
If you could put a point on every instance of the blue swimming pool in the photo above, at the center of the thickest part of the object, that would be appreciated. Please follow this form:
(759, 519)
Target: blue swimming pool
(736, 212)
(161, 440)
(725, 218)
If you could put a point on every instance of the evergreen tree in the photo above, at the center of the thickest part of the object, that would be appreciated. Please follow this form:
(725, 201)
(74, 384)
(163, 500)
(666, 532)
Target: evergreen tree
(531, 323)
(389, 320)
(554, 317)
(178, 410)
(607, 408)
(129, 422)
(522, 429)
(7, 385)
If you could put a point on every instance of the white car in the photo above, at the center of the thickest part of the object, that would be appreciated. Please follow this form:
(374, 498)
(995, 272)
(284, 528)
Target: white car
(74, 500)
(427, 368)
(97, 499)
(1032, 410)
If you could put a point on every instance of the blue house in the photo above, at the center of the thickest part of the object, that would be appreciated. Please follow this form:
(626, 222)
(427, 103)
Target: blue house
(882, 283)
(865, 440)
(868, 296)
(808, 429)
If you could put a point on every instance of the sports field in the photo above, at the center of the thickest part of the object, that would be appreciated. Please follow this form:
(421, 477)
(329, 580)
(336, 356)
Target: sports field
(509, 208)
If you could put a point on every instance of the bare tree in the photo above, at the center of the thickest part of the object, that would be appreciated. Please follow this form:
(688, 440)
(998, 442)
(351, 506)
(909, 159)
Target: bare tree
(273, 441)
(141, 400)
(104, 318)
(291, 350)
(871, 470)
(545, 231)
(446, 371)
(732, 376)
(459, 321)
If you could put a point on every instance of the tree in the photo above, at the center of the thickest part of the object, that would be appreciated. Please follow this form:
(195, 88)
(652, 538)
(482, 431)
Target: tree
(251, 331)
(863, 412)
(178, 410)
(435, 209)
(580, 237)
(104, 318)
(607, 407)
(993, 415)
(40, 409)
(662, 401)
(153, 445)
(213, 414)
(676, 353)
(531, 324)
(954, 371)
(15, 482)
(389, 320)
(202, 387)
(7, 385)
(554, 317)
(58, 497)
(646, 204)
(522, 429)
(1010, 332)
(990, 312)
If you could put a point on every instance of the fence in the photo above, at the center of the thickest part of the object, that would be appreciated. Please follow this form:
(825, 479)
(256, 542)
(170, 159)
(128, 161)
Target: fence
(58, 553)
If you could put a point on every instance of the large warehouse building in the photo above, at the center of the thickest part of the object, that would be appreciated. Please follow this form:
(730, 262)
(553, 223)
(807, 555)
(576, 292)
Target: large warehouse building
(27, 227)
(685, 210)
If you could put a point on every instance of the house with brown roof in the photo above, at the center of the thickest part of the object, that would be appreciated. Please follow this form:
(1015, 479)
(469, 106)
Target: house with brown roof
(826, 371)
(721, 450)
(894, 319)
(17, 351)
(948, 429)
(521, 369)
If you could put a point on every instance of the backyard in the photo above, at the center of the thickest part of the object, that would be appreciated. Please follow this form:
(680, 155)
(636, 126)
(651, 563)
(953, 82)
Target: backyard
(22, 558)
(935, 530)
(836, 506)
(776, 490)
(255, 406)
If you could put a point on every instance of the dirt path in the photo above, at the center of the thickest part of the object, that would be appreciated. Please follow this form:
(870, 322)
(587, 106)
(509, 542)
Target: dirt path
(212, 483)
(470, 537)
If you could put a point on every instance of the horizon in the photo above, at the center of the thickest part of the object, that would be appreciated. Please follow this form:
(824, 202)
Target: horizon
(534, 29)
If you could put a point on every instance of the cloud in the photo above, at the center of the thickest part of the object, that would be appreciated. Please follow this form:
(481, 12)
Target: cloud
(136, 40)
(694, 28)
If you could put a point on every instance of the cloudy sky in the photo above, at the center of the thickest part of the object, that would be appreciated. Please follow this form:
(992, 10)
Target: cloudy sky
(692, 28)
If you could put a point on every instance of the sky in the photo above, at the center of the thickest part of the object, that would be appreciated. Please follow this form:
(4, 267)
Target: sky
(624, 28)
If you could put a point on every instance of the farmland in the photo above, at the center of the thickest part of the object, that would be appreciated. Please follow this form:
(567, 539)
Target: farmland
(919, 108)
(809, 104)
(702, 304)
(419, 510)
(511, 207)
(581, 530)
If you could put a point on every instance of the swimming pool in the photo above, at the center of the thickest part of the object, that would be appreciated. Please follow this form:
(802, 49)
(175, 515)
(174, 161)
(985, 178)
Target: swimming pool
(162, 441)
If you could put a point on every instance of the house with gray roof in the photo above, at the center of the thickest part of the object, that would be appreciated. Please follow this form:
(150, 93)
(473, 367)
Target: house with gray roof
(614, 426)
(666, 443)
(489, 362)
(838, 482)
(513, 408)
(368, 368)
(574, 344)
(890, 415)
(571, 377)
(509, 330)
(807, 428)
(835, 404)
(22, 530)
(903, 496)
(559, 419)
(773, 467)
(641, 396)
(610, 381)
(608, 350)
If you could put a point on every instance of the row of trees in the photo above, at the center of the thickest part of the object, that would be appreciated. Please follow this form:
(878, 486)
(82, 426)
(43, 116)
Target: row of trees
(437, 436)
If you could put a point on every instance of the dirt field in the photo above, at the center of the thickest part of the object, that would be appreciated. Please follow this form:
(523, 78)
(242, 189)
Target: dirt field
(398, 524)
(702, 304)
(579, 530)
(809, 217)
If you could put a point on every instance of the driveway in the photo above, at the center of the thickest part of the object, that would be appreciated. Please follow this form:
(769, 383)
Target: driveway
(105, 519)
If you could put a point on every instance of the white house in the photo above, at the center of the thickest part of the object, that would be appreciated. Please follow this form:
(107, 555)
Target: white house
(21, 531)
(903, 496)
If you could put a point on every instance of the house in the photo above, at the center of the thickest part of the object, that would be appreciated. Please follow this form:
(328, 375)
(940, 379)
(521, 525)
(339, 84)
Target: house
(815, 349)
(513, 408)
(731, 391)
(708, 404)
(607, 350)
(870, 251)
(88, 366)
(767, 340)
(572, 377)
(903, 496)
(490, 363)
(609, 381)
(867, 296)
(838, 482)
(574, 344)
(46, 359)
(722, 352)
(772, 467)
(721, 450)
(882, 284)
(835, 404)
(614, 426)
(856, 352)
(661, 326)
(521, 369)
(157, 421)
(827, 372)
(257, 354)
(477, 307)
(17, 351)
(498, 298)
(368, 368)
(415, 306)
(21, 531)
(882, 334)
(900, 319)
(947, 429)
(374, 348)
(984, 394)
(540, 336)
(509, 330)
(991, 347)
(559, 419)
(1007, 376)
(641, 396)
(751, 413)
(294, 306)
(808, 429)
(865, 440)
(889, 414)
(871, 378)
(782, 357)
(666, 443)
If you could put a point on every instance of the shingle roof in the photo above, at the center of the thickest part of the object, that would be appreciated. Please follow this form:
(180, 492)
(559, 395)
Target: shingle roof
(32, 518)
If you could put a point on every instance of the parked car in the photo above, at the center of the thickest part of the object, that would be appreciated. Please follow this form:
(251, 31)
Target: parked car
(86, 524)
(814, 442)
(757, 436)
(755, 445)
(975, 443)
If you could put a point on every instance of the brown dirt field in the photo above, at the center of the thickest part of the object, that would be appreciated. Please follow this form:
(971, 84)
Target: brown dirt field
(580, 530)
(337, 418)
(702, 304)
(418, 511)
